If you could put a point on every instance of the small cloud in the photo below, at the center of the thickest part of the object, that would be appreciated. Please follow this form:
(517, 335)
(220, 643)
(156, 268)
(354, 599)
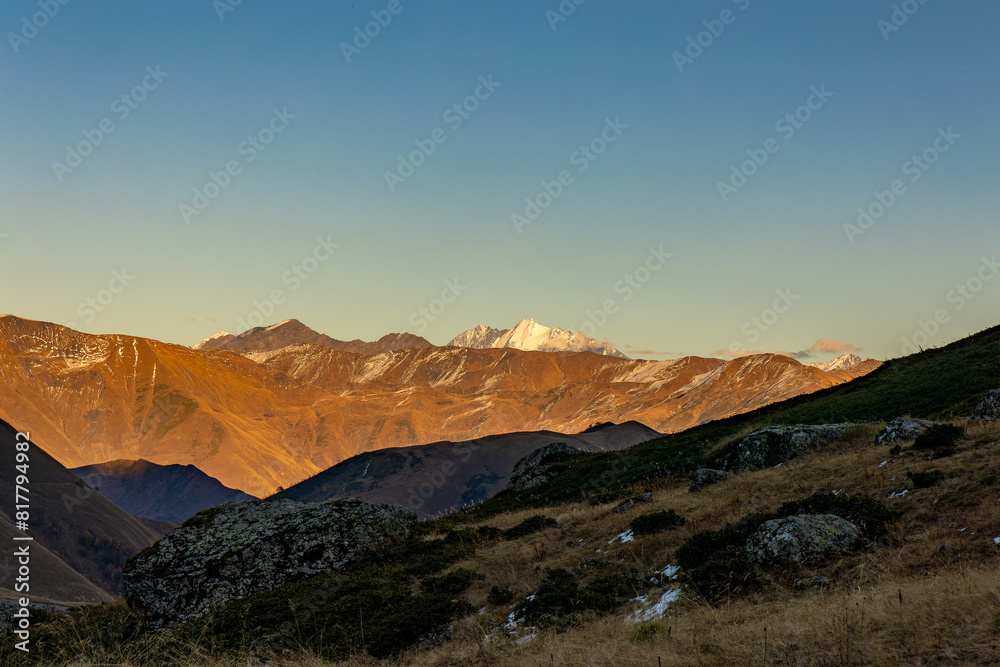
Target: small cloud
(825, 346)
(632, 349)
(190, 319)
(213, 320)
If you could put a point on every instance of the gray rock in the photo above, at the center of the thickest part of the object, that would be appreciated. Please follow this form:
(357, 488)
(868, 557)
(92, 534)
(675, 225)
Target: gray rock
(535, 468)
(803, 537)
(812, 582)
(234, 550)
(989, 409)
(705, 476)
(771, 446)
(629, 503)
(902, 428)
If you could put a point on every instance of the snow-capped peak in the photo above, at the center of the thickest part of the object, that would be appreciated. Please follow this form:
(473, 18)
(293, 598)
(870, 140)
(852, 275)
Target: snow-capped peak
(842, 363)
(217, 336)
(530, 335)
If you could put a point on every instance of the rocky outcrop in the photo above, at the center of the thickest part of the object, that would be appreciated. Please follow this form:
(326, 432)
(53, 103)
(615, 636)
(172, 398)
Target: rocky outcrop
(803, 537)
(706, 476)
(629, 503)
(989, 409)
(902, 428)
(535, 469)
(771, 446)
(235, 550)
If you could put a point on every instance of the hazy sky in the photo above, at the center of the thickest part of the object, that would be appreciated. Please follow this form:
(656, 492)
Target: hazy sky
(693, 165)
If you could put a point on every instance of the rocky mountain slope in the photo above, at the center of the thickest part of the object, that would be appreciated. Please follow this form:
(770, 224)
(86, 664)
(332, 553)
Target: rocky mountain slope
(265, 419)
(530, 335)
(162, 493)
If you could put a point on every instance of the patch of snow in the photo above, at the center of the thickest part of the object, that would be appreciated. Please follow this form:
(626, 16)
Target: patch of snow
(624, 537)
(651, 612)
(900, 494)
(882, 465)
(996, 540)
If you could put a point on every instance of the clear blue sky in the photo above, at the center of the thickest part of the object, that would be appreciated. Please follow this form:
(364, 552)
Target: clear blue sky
(213, 83)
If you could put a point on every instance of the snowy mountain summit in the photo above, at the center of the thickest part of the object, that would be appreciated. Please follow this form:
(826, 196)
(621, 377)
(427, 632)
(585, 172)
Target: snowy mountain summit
(844, 362)
(530, 335)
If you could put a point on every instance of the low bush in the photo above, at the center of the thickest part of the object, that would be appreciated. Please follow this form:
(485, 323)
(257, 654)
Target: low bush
(654, 522)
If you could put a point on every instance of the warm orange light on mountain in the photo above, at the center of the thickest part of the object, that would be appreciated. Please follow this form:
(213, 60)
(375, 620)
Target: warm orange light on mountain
(257, 420)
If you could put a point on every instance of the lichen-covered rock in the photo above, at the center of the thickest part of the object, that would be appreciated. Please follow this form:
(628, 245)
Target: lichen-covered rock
(902, 428)
(776, 444)
(989, 409)
(629, 503)
(234, 550)
(803, 537)
(535, 468)
(706, 476)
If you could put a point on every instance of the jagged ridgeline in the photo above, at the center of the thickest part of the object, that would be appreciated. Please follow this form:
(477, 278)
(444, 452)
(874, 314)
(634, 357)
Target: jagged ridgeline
(584, 543)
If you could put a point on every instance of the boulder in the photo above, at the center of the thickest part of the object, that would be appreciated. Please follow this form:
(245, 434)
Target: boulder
(902, 428)
(705, 476)
(771, 446)
(803, 537)
(812, 582)
(235, 550)
(629, 503)
(989, 409)
(535, 469)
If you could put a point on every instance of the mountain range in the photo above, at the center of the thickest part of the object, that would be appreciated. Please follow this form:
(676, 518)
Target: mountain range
(269, 417)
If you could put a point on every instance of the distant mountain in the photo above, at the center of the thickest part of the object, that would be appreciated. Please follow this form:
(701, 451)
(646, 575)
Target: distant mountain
(851, 364)
(530, 335)
(431, 479)
(293, 332)
(80, 538)
(152, 491)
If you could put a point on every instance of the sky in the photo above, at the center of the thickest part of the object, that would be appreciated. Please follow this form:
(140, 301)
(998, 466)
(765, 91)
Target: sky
(682, 178)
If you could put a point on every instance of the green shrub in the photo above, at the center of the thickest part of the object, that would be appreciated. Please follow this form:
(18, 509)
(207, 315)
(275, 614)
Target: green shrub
(528, 526)
(500, 596)
(939, 438)
(557, 595)
(925, 479)
(654, 522)
(608, 592)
